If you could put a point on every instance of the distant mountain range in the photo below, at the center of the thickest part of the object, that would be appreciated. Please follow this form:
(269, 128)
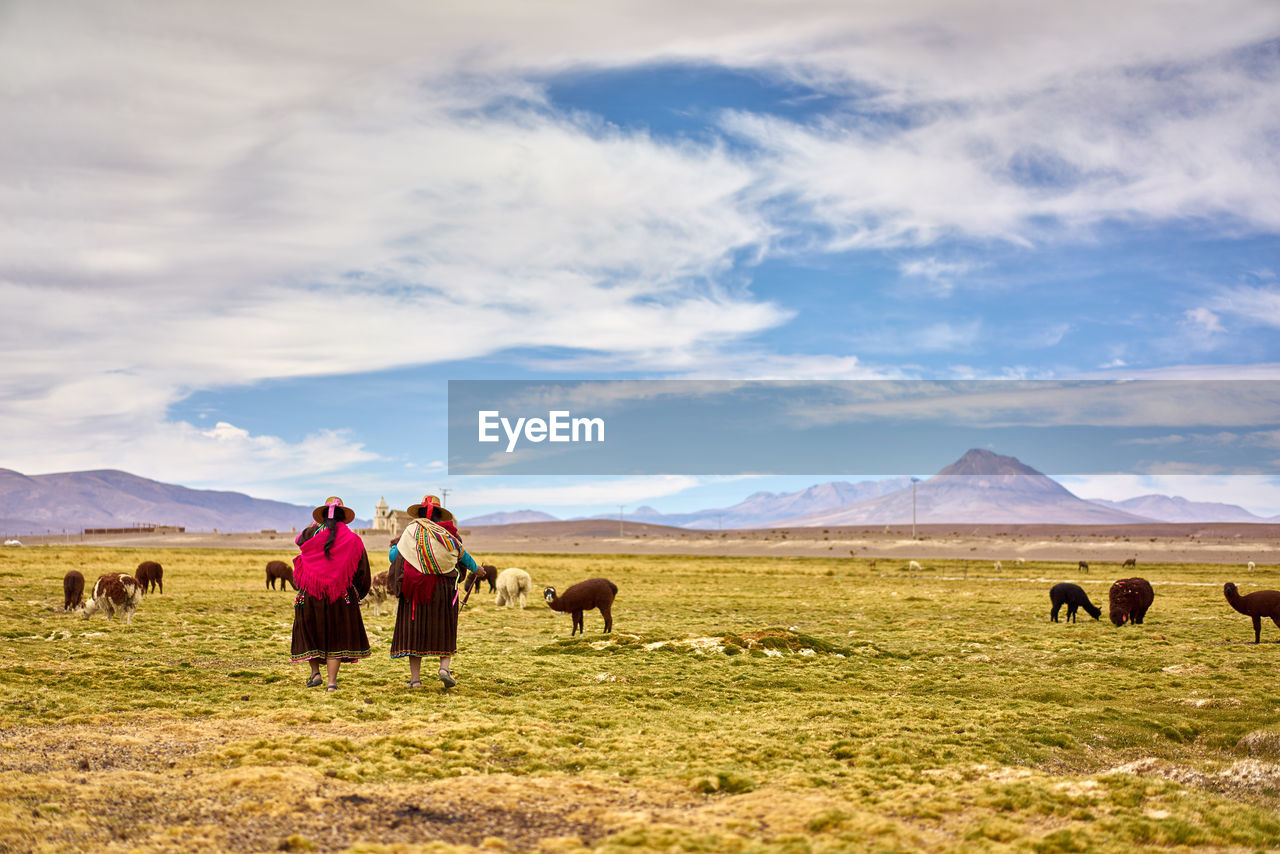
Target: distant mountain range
(69, 501)
(1177, 509)
(980, 487)
(515, 517)
(762, 509)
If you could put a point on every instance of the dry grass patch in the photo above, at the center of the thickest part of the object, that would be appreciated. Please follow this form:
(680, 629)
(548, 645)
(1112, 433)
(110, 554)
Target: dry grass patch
(741, 704)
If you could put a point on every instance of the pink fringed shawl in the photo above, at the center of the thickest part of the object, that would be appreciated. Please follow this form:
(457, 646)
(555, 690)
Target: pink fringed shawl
(328, 578)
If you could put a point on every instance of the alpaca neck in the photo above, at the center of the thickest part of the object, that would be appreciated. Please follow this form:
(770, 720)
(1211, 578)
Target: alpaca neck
(1235, 600)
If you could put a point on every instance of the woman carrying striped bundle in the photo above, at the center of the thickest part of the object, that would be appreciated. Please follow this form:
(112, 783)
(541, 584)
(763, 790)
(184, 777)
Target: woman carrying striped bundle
(426, 564)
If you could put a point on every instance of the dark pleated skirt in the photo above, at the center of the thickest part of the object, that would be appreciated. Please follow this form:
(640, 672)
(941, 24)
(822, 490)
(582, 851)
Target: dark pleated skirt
(327, 629)
(427, 628)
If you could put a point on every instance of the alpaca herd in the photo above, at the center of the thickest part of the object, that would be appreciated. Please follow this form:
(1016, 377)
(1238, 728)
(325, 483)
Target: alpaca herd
(114, 593)
(1129, 599)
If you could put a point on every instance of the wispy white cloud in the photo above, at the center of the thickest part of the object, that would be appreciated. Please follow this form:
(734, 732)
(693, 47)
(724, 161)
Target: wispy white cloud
(262, 465)
(723, 363)
(1204, 319)
(941, 275)
(935, 337)
(1023, 169)
(1175, 405)
(1250, 305)
(1254, 371)
(194, 197)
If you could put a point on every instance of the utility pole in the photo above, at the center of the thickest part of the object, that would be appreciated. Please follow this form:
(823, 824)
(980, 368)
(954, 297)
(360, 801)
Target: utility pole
(914, 481)
(719, 521)
(444, 497)
(620, 509)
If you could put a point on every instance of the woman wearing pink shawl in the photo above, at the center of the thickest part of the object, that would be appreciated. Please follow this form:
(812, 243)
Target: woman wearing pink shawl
(332, 574)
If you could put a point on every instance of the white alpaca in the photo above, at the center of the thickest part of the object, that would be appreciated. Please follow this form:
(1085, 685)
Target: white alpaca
(1251, 567)
(998, 566)
(913, 565)
(513, 586)
(1021, 561)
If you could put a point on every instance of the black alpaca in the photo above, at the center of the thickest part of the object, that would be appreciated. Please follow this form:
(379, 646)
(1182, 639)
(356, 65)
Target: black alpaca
(1073, 596)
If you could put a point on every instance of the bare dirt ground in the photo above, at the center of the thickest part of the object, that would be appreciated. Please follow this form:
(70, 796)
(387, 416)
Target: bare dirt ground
(1226, 543)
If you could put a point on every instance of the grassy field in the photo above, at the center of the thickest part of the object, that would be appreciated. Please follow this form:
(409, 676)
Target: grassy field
(740, 705)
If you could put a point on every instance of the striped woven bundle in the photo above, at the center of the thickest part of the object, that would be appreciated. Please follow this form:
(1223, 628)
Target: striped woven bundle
(437, 550)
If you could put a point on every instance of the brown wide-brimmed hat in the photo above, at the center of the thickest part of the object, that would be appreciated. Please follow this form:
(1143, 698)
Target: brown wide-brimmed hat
(322, 512)
(428, 502)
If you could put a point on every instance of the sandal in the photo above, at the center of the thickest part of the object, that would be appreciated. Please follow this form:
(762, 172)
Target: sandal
(315, 680)
(414, 683)
(331, 688)
(447, 678)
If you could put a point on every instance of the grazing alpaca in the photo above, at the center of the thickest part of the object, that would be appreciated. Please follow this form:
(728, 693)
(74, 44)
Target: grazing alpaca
(1130, 599)
(278, 569)
(1021, 561)
(488, 572)
(1084, 566)
(999, 567)
(378, 592)
(914, 566)
(513, 587)
(1133, 561)
(1073, 596)
(149, 575)
(114, 593)
(585, 596)
(1251, 567)
(1258, 604)
(72, 590)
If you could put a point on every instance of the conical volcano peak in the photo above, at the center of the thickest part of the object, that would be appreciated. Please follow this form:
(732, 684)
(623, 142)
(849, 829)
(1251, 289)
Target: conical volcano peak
(983, 462)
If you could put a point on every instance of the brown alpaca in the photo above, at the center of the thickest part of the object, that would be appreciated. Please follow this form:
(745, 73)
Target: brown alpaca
(1258, 604)
(379, 592)
(488, 573)
(1130, 599)
(585, 596)
(278, 569)
(150, 576)
(72, 590)
(1083, 566)
(1132, 561)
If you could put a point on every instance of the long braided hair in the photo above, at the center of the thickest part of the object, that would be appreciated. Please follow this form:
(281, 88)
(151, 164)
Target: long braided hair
(332, 525)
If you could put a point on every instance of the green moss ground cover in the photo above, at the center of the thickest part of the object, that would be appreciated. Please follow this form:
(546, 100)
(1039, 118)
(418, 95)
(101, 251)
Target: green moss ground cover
(741, 704)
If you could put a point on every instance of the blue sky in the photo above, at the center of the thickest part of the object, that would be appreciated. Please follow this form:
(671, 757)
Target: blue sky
(248, 249)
